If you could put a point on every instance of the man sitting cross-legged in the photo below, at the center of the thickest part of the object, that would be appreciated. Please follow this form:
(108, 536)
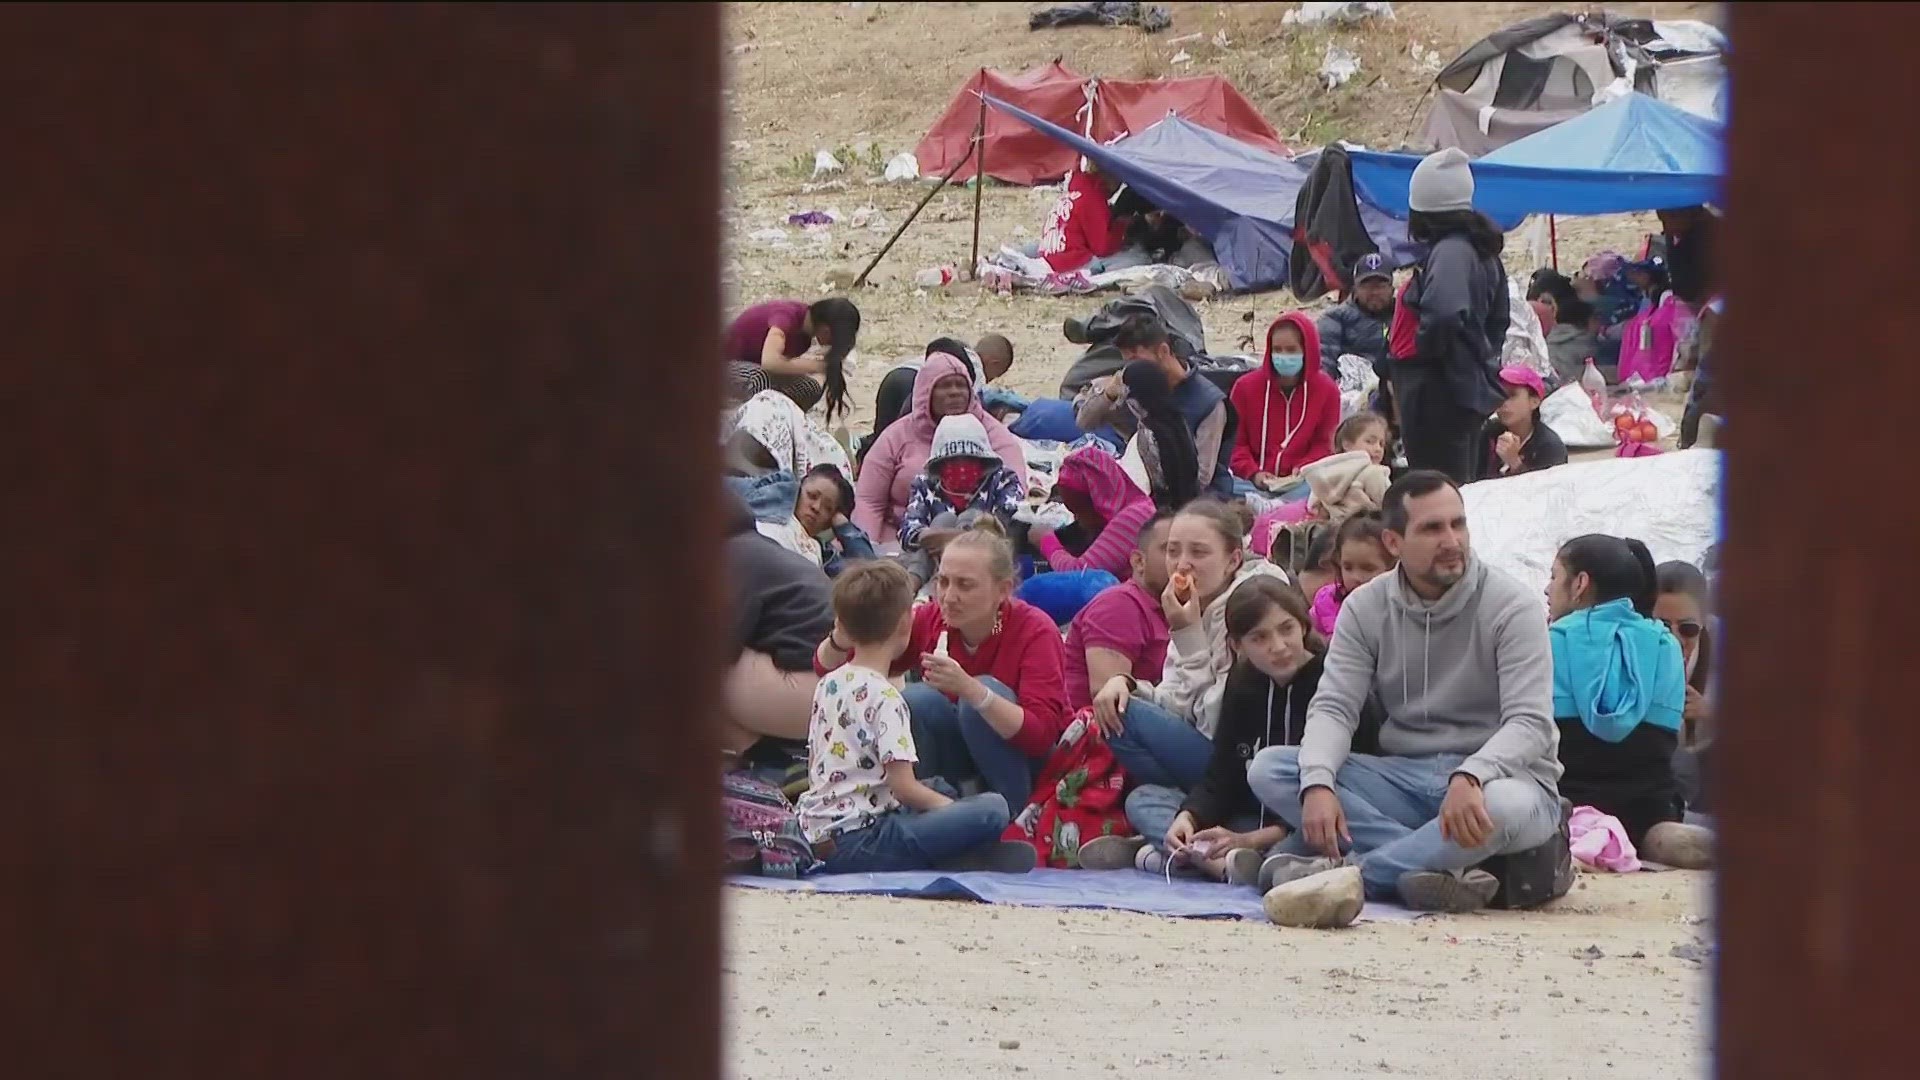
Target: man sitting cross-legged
(1457, 655)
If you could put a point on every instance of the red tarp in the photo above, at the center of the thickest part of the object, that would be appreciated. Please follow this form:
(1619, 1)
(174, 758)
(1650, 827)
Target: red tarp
(1018, 154)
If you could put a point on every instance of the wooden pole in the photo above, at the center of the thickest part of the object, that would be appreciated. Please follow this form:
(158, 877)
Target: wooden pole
(1553, 240)
(339, 663)
(979, 183)
(902, 227)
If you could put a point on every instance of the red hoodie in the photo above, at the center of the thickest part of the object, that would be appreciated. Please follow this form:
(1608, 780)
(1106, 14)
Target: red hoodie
(1281, 431)
(1080, 228)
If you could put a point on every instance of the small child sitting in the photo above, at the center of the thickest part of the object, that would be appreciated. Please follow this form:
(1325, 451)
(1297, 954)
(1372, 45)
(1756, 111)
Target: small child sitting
(1362, 553)
(964, 481)
(1354, 478)
(863, 810)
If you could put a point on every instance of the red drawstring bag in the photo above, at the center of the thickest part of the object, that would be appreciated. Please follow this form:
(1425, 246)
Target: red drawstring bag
(1076, 799)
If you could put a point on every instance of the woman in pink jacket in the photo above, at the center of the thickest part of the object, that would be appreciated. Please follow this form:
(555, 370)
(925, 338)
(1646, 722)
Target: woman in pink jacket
(1106, 504)
(943, 388)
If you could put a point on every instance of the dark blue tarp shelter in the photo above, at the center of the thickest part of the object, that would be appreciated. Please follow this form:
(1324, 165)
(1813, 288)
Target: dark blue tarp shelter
(1238, 197)
(1633, 153)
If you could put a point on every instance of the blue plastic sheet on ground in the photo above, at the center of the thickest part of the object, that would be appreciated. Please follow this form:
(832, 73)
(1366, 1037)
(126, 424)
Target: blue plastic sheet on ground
(1114, 890)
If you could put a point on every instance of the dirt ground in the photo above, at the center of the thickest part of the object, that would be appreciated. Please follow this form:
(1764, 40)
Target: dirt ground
(1585, 988)
(915, 982)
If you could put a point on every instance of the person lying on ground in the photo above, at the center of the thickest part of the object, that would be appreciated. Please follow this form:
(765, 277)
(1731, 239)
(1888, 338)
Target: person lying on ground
(1456, 652)
(1361, 547)
(1619, 691)
(807, 516)
(940, 389)
(796, 348)
(1082, 232)
(1123, 630)
(1198, 403)
(964, 481)
(1106, 505)
(1574, 339)
(1357, 326)
(1287, 410)
(781, 608)
(1516, 439)
(864, 811)
(1161, 733)
(991, 700)
(1683, 606)
(1219, 829)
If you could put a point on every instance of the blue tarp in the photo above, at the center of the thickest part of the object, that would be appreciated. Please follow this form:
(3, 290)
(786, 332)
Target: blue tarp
(1238, 197)
(1634, 153)
(1113, 890)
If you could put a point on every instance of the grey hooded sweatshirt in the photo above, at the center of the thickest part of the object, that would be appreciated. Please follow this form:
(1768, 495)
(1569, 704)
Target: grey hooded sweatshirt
(1471, 674)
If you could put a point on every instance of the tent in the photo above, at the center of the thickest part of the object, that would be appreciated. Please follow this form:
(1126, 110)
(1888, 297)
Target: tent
(1105, 110)
(1549, 69)
(1240, 198)
(1633, 153)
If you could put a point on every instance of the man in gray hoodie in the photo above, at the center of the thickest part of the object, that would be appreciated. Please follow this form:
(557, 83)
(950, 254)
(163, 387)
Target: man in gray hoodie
(1456, 653)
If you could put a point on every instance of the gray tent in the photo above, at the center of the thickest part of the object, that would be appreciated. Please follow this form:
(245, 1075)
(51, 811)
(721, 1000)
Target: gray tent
(1534, 74)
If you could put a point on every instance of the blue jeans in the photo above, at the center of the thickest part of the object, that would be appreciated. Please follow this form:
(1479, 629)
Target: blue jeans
(920, 840)
(1157, 747)
(1393, 805)
(1151, 809)
(956, 743)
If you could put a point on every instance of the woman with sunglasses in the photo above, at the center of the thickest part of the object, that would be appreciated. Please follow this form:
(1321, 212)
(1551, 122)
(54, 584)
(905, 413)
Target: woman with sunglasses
(1682, 606)
(1619, 692)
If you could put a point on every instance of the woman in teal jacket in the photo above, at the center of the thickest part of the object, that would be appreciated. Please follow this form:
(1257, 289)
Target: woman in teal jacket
(1619, 689)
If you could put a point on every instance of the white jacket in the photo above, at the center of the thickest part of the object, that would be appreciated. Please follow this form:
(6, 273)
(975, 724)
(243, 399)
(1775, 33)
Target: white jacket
(1195, 675)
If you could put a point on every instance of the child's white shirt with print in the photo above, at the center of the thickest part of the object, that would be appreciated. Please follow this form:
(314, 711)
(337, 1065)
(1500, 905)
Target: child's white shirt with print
(860, 723)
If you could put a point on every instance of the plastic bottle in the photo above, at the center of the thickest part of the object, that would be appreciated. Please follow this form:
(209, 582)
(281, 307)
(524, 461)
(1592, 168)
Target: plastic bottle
(1595, 384)
(935, 276)
(940, 644)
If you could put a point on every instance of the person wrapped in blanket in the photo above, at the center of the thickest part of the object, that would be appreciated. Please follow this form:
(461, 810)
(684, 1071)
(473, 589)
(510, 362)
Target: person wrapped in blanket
(964, 481)
(793, 478)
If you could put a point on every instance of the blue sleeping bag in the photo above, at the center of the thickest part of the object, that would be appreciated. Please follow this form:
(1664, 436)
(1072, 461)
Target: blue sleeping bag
(1047, 418)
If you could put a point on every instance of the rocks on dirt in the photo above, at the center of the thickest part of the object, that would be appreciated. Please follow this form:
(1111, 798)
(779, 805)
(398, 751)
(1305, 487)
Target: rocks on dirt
(1009, 1044)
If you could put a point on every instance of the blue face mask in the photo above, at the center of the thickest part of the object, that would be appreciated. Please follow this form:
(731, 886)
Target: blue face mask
(1288, 364)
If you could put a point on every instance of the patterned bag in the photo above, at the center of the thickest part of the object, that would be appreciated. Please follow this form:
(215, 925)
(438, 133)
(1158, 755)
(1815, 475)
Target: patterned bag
(1077, 798)
(763, 837)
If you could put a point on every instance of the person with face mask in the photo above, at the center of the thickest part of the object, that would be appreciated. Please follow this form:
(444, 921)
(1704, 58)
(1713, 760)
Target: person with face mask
(1288, 409)
(1457, 654)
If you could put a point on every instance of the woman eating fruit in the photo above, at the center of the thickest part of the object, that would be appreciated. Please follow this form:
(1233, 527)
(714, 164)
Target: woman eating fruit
(1163, 734)
(1516, 439)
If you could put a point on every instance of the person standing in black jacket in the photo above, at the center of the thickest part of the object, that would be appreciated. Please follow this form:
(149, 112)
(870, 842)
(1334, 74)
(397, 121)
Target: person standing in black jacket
(1220, 829)
(1456, 307)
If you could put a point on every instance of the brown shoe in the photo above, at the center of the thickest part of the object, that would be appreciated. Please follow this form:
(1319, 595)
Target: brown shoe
(1449, 893)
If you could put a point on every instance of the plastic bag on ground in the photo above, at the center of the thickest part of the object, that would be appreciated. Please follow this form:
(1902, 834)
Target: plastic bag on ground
(1346, 14)
(903, 166)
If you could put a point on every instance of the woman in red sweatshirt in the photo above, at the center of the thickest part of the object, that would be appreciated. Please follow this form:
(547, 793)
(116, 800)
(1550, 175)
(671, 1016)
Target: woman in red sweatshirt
(1081, 230)
(1287, 409)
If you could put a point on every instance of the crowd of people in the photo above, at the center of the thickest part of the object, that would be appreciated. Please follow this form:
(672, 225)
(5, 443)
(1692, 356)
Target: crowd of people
(1352, 707)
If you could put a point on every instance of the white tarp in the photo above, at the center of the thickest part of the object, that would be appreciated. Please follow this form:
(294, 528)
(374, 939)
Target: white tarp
(1671, 502)
(1569, 412)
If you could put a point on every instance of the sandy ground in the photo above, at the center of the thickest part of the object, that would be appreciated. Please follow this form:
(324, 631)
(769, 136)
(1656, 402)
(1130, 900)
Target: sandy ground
(1585, 988)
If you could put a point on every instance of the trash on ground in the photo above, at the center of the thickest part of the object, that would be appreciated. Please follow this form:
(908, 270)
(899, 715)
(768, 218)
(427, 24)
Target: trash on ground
(1347, 14)
(903, 166)
(1338, 66)
(1151, 18)
(812, 217)
(825, 162)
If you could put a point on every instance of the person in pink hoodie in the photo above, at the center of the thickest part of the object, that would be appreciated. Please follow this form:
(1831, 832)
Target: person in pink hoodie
(942, 388)
(1287, 409)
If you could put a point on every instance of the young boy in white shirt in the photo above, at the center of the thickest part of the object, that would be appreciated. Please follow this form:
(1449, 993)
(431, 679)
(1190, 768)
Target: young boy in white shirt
(864, 810)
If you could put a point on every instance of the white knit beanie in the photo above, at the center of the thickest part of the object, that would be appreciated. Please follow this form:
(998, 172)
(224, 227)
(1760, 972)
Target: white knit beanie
(961, 436)
(1441, 182)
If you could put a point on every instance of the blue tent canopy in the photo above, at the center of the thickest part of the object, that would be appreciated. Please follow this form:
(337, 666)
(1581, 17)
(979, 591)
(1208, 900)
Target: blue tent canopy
(1238, 197)
(1633, 153)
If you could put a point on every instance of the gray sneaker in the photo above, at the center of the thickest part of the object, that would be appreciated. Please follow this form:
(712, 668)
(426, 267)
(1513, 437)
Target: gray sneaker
(1243, 866)
(1004, 856)
(1110, 852)
(1443, 891)
(1280, 869)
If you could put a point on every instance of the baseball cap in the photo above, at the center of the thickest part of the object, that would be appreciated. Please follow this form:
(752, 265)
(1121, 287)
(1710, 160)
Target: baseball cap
(1372, 265)
(1515, 375)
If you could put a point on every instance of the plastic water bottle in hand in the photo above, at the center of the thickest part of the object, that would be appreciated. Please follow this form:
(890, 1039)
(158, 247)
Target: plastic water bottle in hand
(940, 645)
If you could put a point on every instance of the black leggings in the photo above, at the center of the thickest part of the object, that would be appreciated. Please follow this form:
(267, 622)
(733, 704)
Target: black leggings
(1438, 434)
